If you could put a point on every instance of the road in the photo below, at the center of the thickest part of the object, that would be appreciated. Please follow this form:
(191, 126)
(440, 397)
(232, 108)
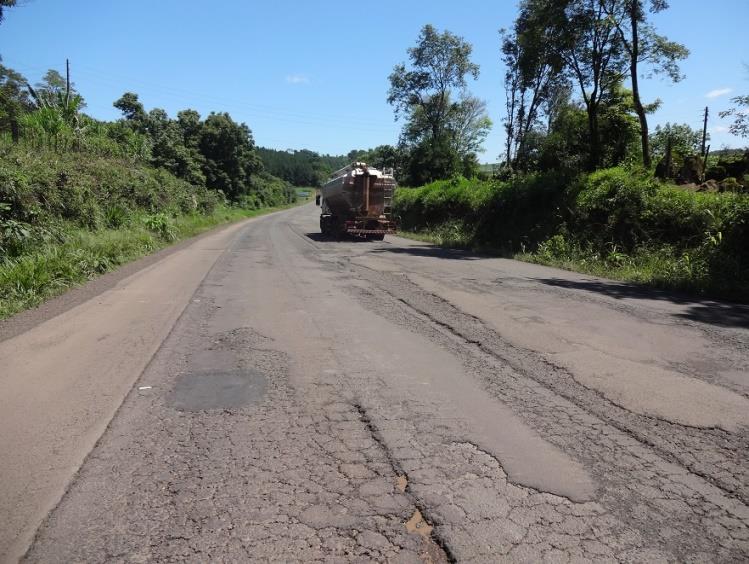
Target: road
(265, 394)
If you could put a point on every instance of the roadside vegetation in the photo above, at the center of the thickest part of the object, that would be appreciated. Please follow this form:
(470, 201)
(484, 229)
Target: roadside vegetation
(583, 182)
(79, 197)
(615, 222)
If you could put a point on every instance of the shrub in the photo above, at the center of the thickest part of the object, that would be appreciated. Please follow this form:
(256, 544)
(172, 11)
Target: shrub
(91, 191)
(610, 204)
(161, 224)
(615, 221)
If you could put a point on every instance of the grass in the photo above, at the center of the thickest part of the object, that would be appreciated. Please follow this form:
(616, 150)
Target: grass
(450, 235)
(661, 267)
(79, 255)
(616, 223)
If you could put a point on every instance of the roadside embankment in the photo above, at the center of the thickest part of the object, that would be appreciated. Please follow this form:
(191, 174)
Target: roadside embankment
(67, 218)
(615, 223)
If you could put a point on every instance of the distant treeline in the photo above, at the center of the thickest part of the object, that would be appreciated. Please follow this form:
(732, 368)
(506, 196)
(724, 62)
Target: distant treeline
(302, 167)
(308, 168)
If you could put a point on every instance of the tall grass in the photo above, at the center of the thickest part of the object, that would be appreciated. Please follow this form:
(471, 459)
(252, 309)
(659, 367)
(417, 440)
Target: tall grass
(67, 216)
(616, 222)
(78, 254)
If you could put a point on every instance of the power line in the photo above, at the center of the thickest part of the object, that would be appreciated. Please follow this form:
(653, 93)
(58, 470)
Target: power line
(259, 110)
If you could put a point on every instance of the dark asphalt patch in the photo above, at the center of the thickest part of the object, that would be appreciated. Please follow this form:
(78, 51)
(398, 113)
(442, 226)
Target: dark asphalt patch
(218, 390)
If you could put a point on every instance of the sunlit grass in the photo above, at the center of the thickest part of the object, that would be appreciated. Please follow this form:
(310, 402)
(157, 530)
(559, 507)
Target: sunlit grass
(53, 267)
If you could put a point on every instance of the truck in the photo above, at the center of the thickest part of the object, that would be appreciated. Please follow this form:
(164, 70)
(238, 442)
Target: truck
(357, 201)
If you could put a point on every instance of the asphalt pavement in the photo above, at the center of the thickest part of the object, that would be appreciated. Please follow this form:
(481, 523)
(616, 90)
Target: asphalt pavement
(266, 394)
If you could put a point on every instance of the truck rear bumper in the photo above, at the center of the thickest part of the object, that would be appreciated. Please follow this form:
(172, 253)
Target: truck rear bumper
(371, 231)
(370, 227)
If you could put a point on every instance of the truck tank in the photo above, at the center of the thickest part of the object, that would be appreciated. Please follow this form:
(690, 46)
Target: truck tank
(357, 201)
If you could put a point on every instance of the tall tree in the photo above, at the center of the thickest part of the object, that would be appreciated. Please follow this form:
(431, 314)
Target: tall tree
(533, 73)
(441, 118)
(468, 124)
(593, 53)
(513, 84)
(14, 100)
(643, 46)
(440, 63)
(586, 40)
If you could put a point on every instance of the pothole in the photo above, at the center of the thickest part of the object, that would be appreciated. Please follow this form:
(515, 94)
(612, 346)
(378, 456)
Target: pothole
(200, 391)
(417, 525)
(401, 482)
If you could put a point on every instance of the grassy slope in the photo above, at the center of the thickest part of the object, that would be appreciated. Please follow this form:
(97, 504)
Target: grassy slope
(70, 216)
(613, 224)
(50, 270)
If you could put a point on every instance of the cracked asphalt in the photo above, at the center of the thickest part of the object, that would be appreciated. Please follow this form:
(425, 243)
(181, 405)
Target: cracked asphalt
(390, 401)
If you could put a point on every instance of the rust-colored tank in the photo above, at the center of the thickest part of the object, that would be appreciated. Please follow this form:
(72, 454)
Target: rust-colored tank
(357, 201)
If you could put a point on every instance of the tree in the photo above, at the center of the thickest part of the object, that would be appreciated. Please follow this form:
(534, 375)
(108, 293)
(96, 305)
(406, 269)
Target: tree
(618, 125)
(468, 125)
(684, 140)
(644, 46)
(430, 160)
(533, 75)
(14, 100)
(740, 115)
(440, 63)
(567, 143)
(585, 38)
(564, 147)
(169, 150)
(593, 53)
(443, 123)
(5, 4)
(513, 92)
(132, 109)
(230, 157)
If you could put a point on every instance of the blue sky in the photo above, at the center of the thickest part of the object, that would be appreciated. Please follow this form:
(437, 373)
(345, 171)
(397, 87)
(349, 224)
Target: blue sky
(314, 74)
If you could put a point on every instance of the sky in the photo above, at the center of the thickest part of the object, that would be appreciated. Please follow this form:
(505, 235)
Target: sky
(314, 74)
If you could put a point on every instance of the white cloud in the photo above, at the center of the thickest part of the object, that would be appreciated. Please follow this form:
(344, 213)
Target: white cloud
(718, 92)
(719, 129)
(297, 79)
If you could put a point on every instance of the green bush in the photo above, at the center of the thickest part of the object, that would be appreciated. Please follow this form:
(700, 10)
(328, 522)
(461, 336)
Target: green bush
(516, 213)
(91, 191)
(615, 222)
(609, 206)
(162, 225)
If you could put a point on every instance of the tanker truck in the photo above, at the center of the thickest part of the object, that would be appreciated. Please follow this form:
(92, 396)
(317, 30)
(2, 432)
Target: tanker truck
(356, 201)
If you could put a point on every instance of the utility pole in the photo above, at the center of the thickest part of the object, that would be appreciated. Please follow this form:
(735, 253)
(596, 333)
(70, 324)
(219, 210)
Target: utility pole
(67, 83)
(704, 132)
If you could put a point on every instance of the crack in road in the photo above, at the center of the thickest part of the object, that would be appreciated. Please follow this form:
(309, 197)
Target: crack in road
(437, 548)
(615, 467)
(658, 433)
(353, 448)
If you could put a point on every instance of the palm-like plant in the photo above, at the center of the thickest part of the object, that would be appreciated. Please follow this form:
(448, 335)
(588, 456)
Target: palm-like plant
(67, 103)
(57, 113)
